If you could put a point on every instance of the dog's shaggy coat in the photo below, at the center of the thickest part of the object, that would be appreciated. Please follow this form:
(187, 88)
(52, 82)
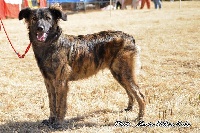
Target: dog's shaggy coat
(63, 58)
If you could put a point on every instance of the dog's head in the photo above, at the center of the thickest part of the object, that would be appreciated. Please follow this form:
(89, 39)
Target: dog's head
(42, 22)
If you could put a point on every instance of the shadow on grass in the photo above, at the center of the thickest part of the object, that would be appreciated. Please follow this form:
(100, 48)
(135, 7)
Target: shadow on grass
(69, 124)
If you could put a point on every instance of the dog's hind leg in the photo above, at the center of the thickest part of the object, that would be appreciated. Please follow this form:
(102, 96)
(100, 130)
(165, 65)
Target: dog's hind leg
(124, 69)
(131, 99)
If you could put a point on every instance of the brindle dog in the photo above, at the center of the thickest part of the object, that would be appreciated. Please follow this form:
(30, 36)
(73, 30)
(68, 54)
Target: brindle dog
(63, 58)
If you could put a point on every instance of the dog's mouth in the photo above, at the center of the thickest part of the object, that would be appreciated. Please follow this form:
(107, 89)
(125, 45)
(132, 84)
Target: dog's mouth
(41, 36)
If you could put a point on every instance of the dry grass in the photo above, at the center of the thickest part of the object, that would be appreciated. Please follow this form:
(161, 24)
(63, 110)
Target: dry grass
(169, 39)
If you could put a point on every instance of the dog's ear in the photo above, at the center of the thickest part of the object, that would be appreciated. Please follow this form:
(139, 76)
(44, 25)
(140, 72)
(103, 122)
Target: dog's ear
(59, 14)
(24, 13)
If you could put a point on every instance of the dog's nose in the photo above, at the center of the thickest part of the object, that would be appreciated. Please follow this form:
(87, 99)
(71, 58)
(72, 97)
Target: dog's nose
(40, 28)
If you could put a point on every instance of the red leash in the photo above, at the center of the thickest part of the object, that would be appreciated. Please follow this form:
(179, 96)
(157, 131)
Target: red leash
(19, 55)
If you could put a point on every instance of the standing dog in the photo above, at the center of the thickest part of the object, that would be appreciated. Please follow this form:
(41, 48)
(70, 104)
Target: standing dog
(63, 58)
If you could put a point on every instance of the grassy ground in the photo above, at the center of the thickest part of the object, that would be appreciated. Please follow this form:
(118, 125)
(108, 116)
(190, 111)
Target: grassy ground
(170, 77)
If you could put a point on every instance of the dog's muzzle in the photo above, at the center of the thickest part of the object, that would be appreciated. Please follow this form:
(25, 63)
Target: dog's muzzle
(41, 34)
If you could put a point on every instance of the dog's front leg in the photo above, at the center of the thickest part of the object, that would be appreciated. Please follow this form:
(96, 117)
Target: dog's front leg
(61, 97)
(52, 102)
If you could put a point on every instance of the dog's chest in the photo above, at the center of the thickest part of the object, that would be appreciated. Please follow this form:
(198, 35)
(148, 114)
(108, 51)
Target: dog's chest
(51, 62)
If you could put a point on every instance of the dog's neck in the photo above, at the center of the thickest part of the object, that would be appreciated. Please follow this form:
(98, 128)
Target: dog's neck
(54, 37)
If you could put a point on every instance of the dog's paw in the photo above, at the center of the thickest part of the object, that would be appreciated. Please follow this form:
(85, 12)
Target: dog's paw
(128, 108)
(46, 122)
(138, 119)
(51, 123)
(56, 126)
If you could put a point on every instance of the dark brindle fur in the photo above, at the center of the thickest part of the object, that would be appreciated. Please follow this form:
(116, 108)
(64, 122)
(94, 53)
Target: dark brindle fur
(63, 58)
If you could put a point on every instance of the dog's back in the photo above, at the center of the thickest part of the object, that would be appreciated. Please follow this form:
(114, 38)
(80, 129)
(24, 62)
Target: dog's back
(87, 54)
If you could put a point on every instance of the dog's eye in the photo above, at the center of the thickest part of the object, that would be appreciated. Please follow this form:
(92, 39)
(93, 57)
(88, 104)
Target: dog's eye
(34, 18)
